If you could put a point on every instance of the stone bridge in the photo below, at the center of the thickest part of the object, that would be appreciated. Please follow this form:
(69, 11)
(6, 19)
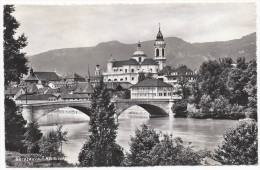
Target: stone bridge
(34, 111)
(155, 107)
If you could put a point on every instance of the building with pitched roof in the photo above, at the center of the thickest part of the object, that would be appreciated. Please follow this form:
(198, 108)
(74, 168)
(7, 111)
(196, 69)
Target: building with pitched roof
(151, 89)
(13, 92)
(128, 70)
(171, 75)
(73, 78)
(41, 78)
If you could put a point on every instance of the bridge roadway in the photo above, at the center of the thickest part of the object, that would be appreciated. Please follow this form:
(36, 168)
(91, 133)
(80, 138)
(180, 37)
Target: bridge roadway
(155, 107)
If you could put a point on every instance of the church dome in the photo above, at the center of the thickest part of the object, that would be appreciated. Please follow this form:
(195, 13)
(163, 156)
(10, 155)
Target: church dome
(139, 52)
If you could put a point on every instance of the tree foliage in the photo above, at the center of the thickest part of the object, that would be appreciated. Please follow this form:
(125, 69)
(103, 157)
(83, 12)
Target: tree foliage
(14, 59)
(51, 143)
(223, 91)
(101, 149)
(141, 76)
(240, 146)
(14, 127)
(146, 149)
(32, 136)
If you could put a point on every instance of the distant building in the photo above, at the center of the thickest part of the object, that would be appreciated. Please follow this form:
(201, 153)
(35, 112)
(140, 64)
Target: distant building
(84, 88)
(36, 98)
(128, 70)
(13, 92)
(71, 97)
(41, 78)
(151, 89)
(171, 75)
(73, 78)
(94, 80)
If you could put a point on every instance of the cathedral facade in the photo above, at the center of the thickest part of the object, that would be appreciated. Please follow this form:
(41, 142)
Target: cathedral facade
(128, 70)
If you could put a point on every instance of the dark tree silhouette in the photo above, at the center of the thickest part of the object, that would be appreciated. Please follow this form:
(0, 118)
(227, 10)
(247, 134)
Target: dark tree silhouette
(101, 148)
(32, 136)
(14, 59)
(14, 127)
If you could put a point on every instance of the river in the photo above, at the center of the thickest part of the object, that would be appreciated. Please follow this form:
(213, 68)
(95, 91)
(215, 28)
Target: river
(202, 134)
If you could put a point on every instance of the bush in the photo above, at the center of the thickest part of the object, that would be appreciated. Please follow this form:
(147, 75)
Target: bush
(240, 146)
(146, 149)
(180, 108)
(171, 152)
(141, 145)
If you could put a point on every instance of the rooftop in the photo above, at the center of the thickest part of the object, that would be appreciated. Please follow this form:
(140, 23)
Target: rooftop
(35, 97)
(47, 76)
(152, 83)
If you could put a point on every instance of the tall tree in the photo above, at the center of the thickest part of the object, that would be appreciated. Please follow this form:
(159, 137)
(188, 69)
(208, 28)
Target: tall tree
(32, 136)
(14, 59)
(14, 127)
(101, 148)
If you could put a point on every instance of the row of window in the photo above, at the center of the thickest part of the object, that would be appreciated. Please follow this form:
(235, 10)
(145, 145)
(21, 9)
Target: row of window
(151, 94)
(120, 70)
(121, 79)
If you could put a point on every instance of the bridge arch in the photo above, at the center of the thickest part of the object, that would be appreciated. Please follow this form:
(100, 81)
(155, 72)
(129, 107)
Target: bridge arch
(84, 110)
(154, 111)
(33, 112)
(155, 108)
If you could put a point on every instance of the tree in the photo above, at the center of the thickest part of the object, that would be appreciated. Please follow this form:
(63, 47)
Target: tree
(196, 94)
(62, 136)
(141, 76)
(236, 82)
(241, 63)
(51, 143)
(146, 149)
(14, 60)
(101, 149)
(32, 136)
(171, 152)
(213, 78)
(180, 108)
(141, 145)
(240, 146)
(14, 127)
(184, 85)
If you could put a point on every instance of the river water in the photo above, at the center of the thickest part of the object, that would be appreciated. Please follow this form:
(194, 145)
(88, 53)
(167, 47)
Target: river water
(202, 134)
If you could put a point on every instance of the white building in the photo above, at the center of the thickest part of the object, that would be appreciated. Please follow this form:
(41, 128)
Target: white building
(151, 89)
(128, 70)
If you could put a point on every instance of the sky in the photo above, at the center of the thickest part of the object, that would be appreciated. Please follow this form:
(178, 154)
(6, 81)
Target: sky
(53, 27)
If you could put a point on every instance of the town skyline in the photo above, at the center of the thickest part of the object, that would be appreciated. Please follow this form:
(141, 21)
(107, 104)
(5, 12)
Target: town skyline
(131, 23)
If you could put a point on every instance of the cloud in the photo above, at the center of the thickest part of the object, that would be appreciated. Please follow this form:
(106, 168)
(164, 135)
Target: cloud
(53, 27)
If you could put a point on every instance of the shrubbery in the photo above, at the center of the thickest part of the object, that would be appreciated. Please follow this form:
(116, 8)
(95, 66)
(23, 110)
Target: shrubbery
(147, 149)
(180, 108)
(240, 146)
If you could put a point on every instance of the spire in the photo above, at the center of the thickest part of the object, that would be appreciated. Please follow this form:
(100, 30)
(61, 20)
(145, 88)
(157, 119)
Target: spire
(31, 71)
(88, 74)
(139, 45)
(159, 35)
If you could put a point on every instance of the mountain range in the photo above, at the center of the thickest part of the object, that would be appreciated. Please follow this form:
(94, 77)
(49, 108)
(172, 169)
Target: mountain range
(178, 52)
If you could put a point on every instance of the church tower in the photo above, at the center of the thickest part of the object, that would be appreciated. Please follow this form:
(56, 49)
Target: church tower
(159, 50)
